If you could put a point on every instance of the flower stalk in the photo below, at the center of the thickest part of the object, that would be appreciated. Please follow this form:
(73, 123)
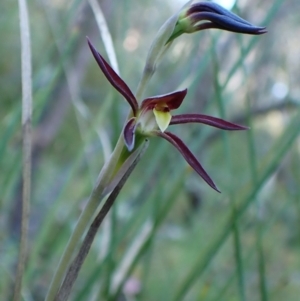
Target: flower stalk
(84, 220)
(76, 264)
(148, 118)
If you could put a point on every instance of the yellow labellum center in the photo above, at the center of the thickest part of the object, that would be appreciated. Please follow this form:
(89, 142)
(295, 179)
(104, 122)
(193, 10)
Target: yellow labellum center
(162, 117)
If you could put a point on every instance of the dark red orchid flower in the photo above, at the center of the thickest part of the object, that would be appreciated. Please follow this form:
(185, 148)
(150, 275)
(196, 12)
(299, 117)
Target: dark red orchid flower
(153, 116)
(205, 15)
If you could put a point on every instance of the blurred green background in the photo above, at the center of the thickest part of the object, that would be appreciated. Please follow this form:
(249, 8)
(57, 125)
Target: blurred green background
(169, 236)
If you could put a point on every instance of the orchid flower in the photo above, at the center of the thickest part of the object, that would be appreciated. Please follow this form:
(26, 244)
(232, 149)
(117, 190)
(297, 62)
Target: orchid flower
(205, 15)
(153, 116)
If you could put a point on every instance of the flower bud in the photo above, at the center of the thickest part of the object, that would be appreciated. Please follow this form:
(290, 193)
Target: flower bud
(205, 15)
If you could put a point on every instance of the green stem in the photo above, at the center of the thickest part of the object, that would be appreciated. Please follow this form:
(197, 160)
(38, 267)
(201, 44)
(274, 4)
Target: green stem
(84, 219)
(74, 268)
(156, 52)
(147, 74)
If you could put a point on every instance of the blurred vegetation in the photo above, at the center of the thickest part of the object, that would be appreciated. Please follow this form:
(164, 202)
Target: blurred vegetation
(169, 236)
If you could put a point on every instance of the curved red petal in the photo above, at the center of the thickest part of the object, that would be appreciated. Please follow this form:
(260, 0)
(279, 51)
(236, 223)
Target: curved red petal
(172, 100)
(208, 120)
(114, 78)
(188, 156)
(129, 133)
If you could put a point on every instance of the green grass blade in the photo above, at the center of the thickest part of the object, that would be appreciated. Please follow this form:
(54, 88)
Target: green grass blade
(226, 147)
(273, 159)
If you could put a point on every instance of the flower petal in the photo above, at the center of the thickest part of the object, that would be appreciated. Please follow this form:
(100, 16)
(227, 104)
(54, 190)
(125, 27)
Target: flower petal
(188, 156)
(162, 119)
(129, 133)
(209, 120)
(205, 15)
(220, 18)
(114, 78)
(171, 100)
(215, 8)
(225, 23)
